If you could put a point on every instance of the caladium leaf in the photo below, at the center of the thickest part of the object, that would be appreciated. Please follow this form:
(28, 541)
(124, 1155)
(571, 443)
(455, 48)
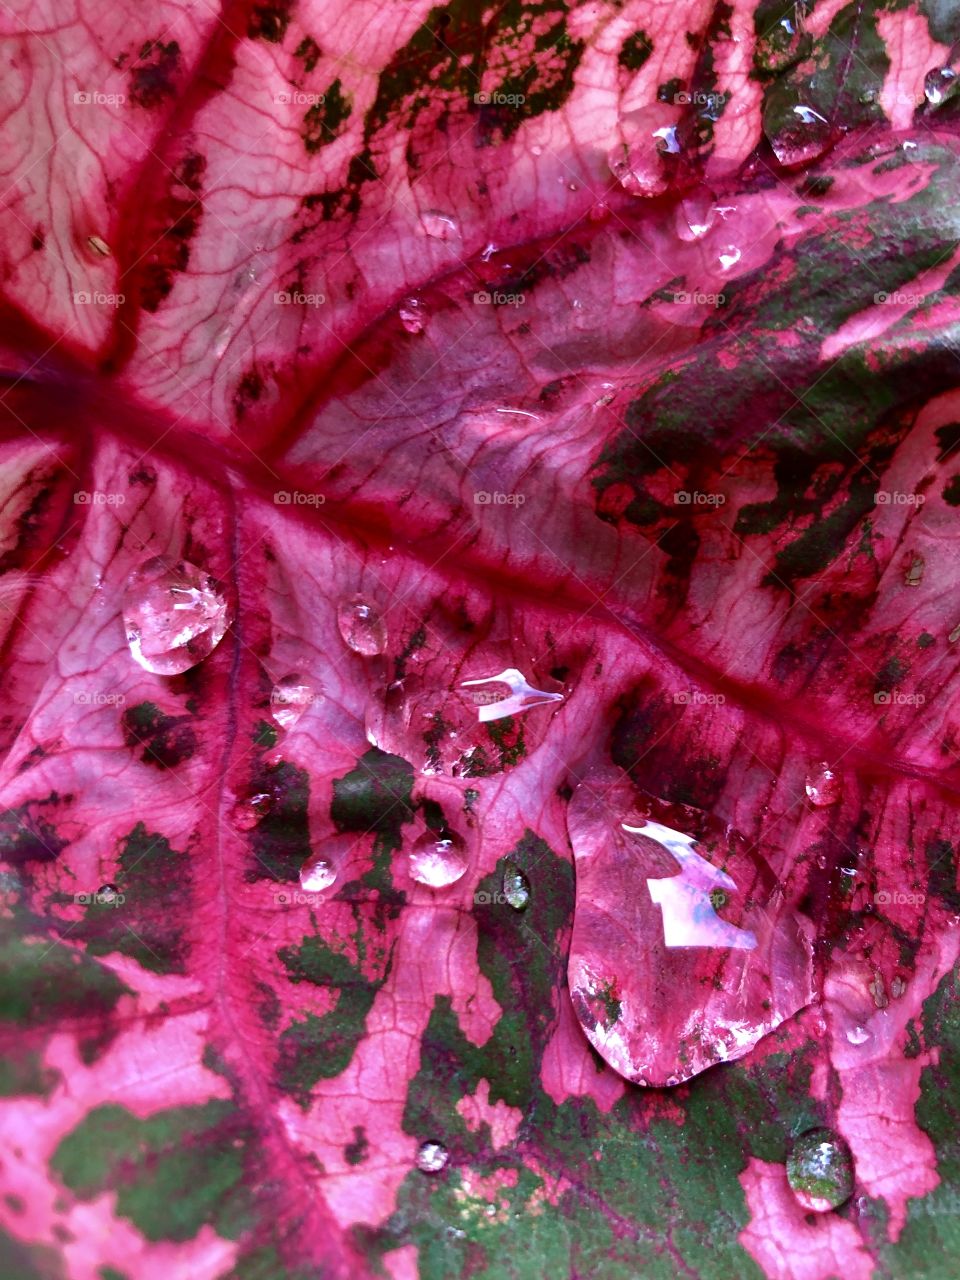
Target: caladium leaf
(364, 369)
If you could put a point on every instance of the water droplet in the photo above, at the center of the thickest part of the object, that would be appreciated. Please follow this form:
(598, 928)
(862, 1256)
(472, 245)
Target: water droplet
(174, 615)
(362, 627)
(727, 957)
(437, 861)
(516, 887)
(413, 317)
(858, 1035)
(667, 140)
(440, 226)
(729, 256)
(290, 698)
(671, 1081)
(798, 136)
(432, 1157)
(695, 216)
(317, 874)
(823, 786)
(522, 696)
(820, 1170)
(107, 894)
(247, 812)
(897, 988)
(488, 251)
(221, 341)
(939, 84)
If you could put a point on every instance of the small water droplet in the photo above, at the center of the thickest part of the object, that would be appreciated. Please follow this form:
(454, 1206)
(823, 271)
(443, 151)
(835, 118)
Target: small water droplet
(536, 150)
(729, 256)
(522, 696)
(695, 216)
(437, 861)
(823, 786)
(290, 698)
(671, 1081)
(247, 812)
(440, 226)
(432, 1157)
(858, 1035)
(362, 627)
(317, 874)
(798, 136)
(107, 894)
(413, 317)
(667, 141)
(221, 341)
(939, 84)
(516, 887)
(488, 251)
(820, 1170)
(174, 615)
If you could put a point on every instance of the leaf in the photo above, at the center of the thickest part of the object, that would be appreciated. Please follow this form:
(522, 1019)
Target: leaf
(555, 344)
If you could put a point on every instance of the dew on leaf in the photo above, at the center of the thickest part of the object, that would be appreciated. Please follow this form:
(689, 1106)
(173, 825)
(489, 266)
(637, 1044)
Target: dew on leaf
(432, 1157)
(522, 696)
(362, 626)
(820, 1170)
(939, 84)
(437, 861)
(174, 615)
(695, 215)
(249, 810)
(800, 136)
(516, 887)
(317, 874)
(289, 699)
(412, 315)
(108, 894)
(440, 226)
(822, 785)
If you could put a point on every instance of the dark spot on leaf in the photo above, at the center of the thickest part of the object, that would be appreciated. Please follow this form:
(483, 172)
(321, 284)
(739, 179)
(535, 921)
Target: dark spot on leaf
(154, 79)
(167, 740)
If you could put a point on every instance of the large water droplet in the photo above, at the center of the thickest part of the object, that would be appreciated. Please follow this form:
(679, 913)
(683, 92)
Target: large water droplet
(799, 136)
(362, 627)
(413, 317)
(516, 887)
(108, 895)
(939, 84)
(174, 615)
(437, 861)
(249, 810)
(695, 215)
(440, 226)
(823, 786)
(432, 1157)
(289, 699)
(725, 957)
(317, 874)
(820, 1170)
(522, 696)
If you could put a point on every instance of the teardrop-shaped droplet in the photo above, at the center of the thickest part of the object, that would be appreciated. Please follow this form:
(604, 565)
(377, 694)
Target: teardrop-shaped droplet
(440, 226)
(108, 894)
(362, 626)
(695, 215)
(174, 615)
(494, 704)
(437, 861)
(413, 317)
(516, 887)
(823, 786)
(432, 1157)
(289, 699)
(798, 135)
(249, 810)
(939, 84)
(726, 958)
(317, 874)
(820, 1170)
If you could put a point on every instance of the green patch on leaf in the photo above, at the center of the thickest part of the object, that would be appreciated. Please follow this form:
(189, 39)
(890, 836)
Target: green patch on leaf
(281, 839)
(23, 1072)
(42, 982)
